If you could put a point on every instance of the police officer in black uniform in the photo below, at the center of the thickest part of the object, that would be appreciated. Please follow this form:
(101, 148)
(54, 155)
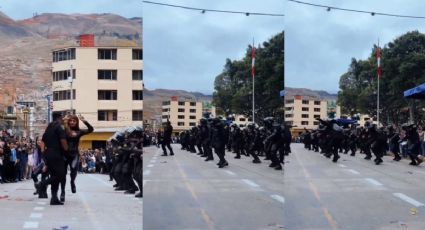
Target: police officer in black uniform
(55, 148)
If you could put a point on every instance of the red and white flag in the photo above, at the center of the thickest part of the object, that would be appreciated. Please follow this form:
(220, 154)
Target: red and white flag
(253, 62)
(378, 59)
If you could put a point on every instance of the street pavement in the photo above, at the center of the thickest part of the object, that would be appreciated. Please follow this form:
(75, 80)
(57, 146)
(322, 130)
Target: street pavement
(183, 192)
(95, 206)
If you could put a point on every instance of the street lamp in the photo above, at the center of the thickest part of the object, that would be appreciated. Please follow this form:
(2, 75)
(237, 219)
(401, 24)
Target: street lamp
(71, 80)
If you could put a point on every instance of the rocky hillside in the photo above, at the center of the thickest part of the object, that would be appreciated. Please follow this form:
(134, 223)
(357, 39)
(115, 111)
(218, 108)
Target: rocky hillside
(25, 46)
(290, 92)
(153, 100)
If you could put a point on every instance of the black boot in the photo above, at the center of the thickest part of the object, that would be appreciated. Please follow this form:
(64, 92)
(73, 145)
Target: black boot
(54, 200)
(73, 188)
(62, 198)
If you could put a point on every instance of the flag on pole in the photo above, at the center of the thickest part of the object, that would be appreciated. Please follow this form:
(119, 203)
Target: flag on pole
(253, 62)
(378, 59)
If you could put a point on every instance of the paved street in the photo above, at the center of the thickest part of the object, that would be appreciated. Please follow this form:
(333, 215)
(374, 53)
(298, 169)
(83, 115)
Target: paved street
(352, 194)
(184, 192)
(95, 206)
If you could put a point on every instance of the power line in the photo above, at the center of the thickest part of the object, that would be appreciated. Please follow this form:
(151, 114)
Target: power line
(204, 10)
(329, 8)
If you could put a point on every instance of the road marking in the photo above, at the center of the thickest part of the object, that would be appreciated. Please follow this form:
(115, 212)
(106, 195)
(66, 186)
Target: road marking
(41, 203)
(409, 200)
(342, 166)
(373, 181)
(230, 172)
(150, 165)
(30, 224)
(250, 183)
(353, 171)
(278, 198)
(36, 215)
(147, 172)
(38, 208)
(102, 181)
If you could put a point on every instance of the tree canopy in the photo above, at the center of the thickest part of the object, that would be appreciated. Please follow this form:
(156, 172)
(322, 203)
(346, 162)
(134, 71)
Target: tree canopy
(403, 67)
(233, 86)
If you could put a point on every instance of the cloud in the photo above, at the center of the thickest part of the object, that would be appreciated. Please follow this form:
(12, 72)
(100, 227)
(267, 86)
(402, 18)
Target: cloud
(187, 50)
(319, 45)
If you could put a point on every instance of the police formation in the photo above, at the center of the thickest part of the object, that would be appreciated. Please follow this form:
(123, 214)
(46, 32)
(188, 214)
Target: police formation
(343, 136)
(127, 162)
(271, 140)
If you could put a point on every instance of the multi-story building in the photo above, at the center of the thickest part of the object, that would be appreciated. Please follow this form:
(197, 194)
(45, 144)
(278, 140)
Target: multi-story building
(241, 120)
(182, 113)
(102, 83)
(302, 111)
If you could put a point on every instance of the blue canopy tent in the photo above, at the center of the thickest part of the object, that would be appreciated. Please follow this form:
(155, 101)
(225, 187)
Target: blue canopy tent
(416, 93)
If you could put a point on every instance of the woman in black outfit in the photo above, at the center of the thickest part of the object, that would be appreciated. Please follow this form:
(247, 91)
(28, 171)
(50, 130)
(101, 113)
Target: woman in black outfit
(73, 135)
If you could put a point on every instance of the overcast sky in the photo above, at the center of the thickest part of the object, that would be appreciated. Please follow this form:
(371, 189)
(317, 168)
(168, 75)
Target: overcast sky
(187, 50)
(22, 9)
(319, 45)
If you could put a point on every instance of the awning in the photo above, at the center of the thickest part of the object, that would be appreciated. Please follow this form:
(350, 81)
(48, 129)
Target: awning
(416, 93)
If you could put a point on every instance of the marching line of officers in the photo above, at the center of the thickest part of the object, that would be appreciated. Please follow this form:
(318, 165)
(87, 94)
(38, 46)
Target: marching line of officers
(271, 140)
(127, 163)
(332, 138)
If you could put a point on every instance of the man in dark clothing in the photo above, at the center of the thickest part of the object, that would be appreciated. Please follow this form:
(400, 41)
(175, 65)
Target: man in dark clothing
(55, 147)
(168, 130)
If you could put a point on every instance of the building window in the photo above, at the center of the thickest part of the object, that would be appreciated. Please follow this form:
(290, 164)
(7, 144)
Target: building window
(250, 119)
(63, 95)
(107, 54)
(180, 110)
(137, 115)
(180, 116)
(289, 115)
(304, 122)
(316, 116)
(106, 74)
(289, 108)
(180, 123)
(165, 117)
(192, 117)
(316, 102)
(10, 110)
(63, 55)
(181, 102)
(107, 95)
(137, 75)
(137, 54)
(192, 110)
(304, 115)
(315, 123)
(242, 119)
(304, 109)
(63, 75)
(165, 110)
(316, 109)
(192, 103)
(107, 115)
(137, 95)
(305, 102)
(192, 124)
(166, 103)
(289, 101)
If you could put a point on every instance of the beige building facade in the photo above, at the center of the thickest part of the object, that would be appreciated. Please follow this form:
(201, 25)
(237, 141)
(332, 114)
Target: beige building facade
(107, 88)
(301, 112)
(183, 114)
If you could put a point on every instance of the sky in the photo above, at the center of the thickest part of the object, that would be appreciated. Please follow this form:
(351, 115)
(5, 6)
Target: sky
(319, 45)
(22, 9)
(187, 49)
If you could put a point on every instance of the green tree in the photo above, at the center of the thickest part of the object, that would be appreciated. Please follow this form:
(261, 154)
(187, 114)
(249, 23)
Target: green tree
(403, 67)
(233, 87)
